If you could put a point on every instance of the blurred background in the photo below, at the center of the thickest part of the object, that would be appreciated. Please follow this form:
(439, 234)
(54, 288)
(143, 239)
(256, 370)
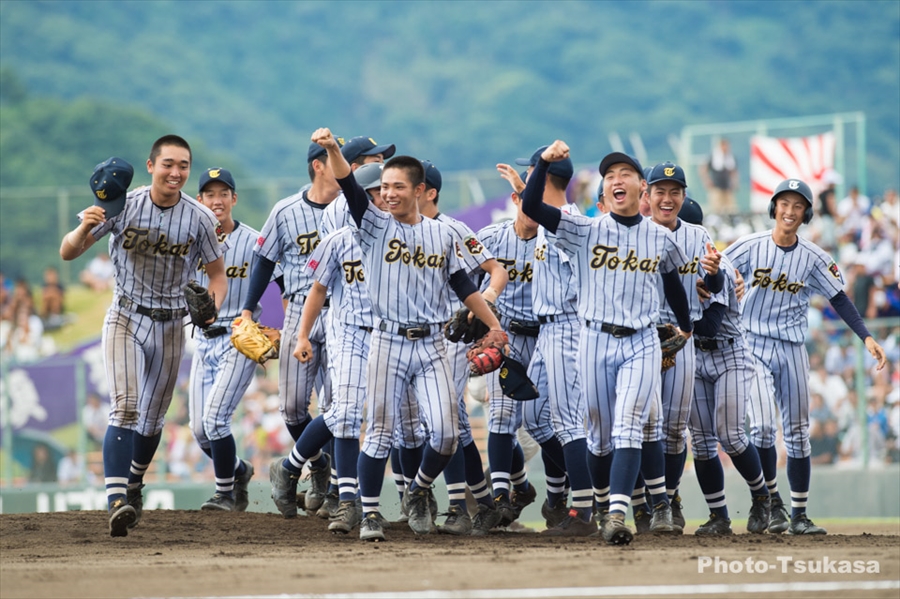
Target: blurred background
(743, 94)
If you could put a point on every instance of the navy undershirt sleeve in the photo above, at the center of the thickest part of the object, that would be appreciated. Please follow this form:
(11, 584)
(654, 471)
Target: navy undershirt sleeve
(715, 282)
(280, 282)
(708, 326)
(533, 198)
(357, 198)
(677, 299)
(849, 314)
(260, 275)
(462, 285)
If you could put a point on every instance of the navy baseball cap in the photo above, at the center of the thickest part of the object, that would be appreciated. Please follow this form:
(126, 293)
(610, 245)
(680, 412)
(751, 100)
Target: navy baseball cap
(432, 175)
(514, 381)
(619, 157)
(667, 171)
(563, 168)
(691, 212)
(647, 171)
(369, 175)
(109, 182)
(315, 150)
(216, 174)
(365, 146)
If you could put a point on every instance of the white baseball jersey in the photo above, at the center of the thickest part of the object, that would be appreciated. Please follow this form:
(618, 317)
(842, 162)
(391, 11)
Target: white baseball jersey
(780, 282)
(338, 265)
(554, 291)
(692, 239)
(516, 255)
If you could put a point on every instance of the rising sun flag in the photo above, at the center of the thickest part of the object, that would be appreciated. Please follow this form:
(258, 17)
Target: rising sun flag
(774, 159)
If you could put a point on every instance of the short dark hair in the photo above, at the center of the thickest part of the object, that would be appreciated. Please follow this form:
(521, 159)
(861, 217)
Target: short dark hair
(359, 160)
(413, 168)
(168, 140)
(558, 183)
(309, 167)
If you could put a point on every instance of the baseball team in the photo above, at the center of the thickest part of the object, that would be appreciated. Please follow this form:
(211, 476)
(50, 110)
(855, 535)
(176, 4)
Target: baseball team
(370, 271)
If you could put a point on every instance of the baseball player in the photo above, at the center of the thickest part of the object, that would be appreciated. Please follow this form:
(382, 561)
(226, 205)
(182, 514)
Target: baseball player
(553, 366)
(724, 369)
(288, 237)
(158, 235)
(465, 467)
(337, 265)
(617, 260)
(220, 374)
(667, 186)
(783, 270)
(411, 264)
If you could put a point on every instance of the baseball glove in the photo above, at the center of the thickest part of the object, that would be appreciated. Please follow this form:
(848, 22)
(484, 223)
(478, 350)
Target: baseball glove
(671, 342)
(200, 304)
(463, 329)
(257, 342)
(481, 357)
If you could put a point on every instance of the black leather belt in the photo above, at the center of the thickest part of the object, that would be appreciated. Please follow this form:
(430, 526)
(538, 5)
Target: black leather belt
(213, 332)
(411, 333)
(555, 318)
(155, 314)
(366, 329)
(527, 329)
(712, 344)
(299, 298)
(612, 329)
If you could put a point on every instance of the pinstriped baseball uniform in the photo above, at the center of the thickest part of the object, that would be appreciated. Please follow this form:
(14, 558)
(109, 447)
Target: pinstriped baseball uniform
(220, 374)
(617, 271)
(678, 382)
(155, 251)
(289, 236)
(780, 282)
(722, 381)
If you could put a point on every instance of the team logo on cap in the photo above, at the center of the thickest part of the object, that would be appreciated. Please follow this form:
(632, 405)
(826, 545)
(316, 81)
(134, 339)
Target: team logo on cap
(101, 194)
(340, 140)
(504, 372)
(794, 184)
(669, 171)
(374, 143)
(214, 173)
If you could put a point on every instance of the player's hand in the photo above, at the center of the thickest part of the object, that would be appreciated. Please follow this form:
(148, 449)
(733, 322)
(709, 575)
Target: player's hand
(303, 350)
(247, 314)
(91, 217)
(877, 351)
(738, 284)
(702, 292)
(324, 138)
(687, 336)
(710, 262)
(556, 151)
(510, 174)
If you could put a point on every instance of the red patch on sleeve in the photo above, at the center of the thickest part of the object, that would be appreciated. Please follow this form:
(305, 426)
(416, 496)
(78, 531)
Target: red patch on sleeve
(260, 241)
(834, 270)
(312, 264)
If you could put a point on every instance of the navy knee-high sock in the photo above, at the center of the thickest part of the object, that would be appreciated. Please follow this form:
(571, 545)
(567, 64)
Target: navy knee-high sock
(371, 476)
(455, 477)
(674, 468)
(297, 429)
(768, 459)
(580, 480)
(799, 472)
(118, 445)
(333, 484)
(411, 460)
(314, 438)
(500, 459)
(554, 469)
(748, 465)
(143, 450)
(224, 454)
(712, 482)
(397, 470)
(518, 476)
(433, 463)
(599, 467)
(346, 455)
(475, 479)
(653, 467)
(623, 472)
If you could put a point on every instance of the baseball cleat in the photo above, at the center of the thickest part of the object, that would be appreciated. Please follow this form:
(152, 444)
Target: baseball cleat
(242, 488)
(758, 521)
(488, 517)
(556, 513)
(370, 528)
(458, 522)
(661, 521)
(677, 511)
(418, 506)
(329, 507)
(572, 526)
(508, 513)
(715, 527)
(522, 499)
(218, 502)
(346, 517)
(779, 520)
(121, 518)
(135, 498)
(318, 485)
(802, 525)
(641, 520)
(284, 488)
(614, 530)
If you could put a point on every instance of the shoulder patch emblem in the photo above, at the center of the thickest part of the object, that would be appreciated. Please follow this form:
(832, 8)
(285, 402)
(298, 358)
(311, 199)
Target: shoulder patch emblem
(312, 264)
(473, 245)
(260, 241)
(834, 270)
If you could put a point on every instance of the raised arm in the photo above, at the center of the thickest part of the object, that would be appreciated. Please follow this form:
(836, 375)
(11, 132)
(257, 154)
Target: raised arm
(77, 241)
(357, 199)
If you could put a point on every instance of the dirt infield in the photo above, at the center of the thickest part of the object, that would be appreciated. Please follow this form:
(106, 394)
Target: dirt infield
(192, 553)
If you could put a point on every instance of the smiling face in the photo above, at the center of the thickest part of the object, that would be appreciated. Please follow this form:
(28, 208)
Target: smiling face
(666, 199)
(622, 188)
(219, 198)
(790, 207)
(400, 196)
(169, 172)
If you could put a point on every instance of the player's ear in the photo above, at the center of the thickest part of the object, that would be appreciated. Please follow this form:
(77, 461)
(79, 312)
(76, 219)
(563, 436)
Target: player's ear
(420, 189)
(149, 166)
(233, 198)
